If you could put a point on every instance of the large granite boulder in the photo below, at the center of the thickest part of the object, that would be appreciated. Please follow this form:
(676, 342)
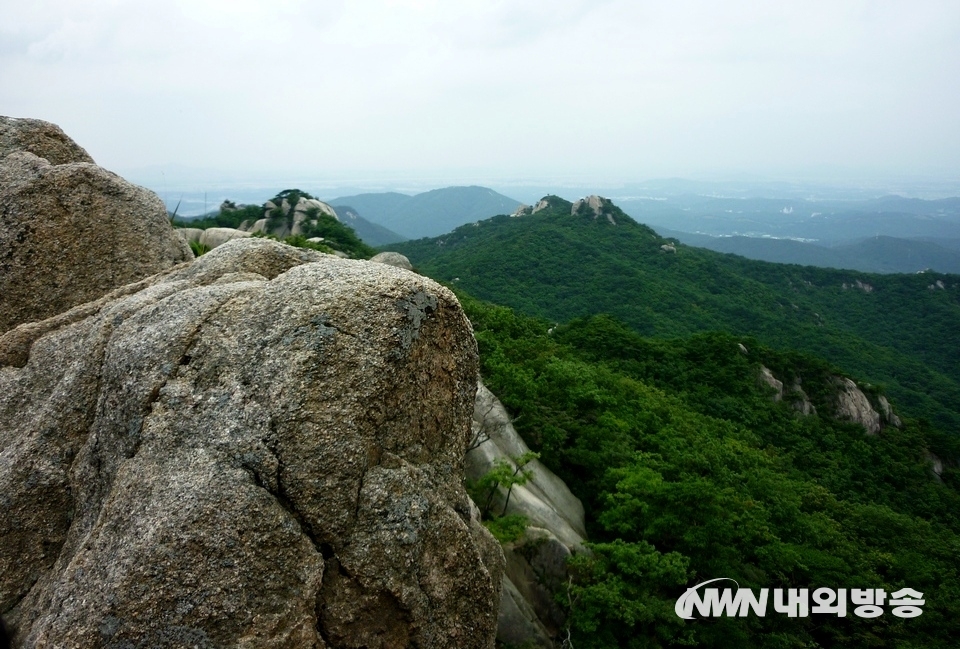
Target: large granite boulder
(40, 138)
(854, 406)
(70, 233)
(393, 259)
(214, 237)
(190, 234)
(263, 448)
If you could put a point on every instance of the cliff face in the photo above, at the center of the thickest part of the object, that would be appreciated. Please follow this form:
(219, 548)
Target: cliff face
(536, 567)
(263, 448)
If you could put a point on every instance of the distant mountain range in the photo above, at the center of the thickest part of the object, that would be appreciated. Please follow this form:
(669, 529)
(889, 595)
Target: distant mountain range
(428, 214)
(880, 254)
(372, 233)
(563, 260)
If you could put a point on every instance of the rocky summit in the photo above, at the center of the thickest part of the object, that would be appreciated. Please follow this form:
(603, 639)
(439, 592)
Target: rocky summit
(70, 231)
(263, 448)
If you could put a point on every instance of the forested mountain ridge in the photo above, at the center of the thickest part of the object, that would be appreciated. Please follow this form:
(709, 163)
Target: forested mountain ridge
(690, 469)
(897, 331)
(428, 213)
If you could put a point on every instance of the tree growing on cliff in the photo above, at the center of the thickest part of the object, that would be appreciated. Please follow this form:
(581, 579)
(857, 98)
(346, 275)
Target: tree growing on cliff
(505, 474)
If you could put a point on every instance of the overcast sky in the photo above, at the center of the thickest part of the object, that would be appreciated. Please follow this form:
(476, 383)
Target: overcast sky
(464, 91)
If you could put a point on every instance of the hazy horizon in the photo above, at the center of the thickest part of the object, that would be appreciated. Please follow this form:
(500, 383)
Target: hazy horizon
(430, 93)
(195, 196)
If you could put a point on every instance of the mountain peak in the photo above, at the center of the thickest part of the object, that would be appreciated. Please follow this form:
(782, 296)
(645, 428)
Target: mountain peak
(592, 206)
(549, 202)
(596, 206)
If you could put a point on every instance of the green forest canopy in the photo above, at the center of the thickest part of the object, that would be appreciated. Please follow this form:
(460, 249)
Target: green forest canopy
(688, 470)
(891, 330)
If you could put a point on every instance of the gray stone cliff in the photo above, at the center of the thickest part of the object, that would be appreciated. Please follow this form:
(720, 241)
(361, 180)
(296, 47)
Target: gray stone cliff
(535, 563)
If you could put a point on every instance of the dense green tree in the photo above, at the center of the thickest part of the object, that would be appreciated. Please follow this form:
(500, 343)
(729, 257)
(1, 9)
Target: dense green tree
(890, 330)
(689, 470)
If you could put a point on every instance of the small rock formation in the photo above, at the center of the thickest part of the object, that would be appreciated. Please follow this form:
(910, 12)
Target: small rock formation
(542, 204)
(886, 412)
(853, 405)
(263, 448)
(767, 379)
(71, 231)
(794, 394)
(526, 210)
(42, 139)
(213, 237)
(743, 349)
(393, 259)
(593, 204)
(536, 563)
(190, 234)
(863, 286)
(668, 247)
(936, 464)
(938, 285)
(799, 399)
(294, 217)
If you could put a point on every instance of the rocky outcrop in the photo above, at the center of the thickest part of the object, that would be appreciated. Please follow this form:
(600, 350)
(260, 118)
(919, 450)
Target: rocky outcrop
(190, 234)
(594, 205)
(850, 402)
(668, 247)
(859, 285)
(393, 259)
(72, 232)
(794, 394)
(263, 448)
(854, 406)
(535, 563)
(213, 237)
(527, 210)
(799, 400)
(293, 219)
(887, 415)
(767, 379)
(936, 464)
(545, 500)
(42, 139)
